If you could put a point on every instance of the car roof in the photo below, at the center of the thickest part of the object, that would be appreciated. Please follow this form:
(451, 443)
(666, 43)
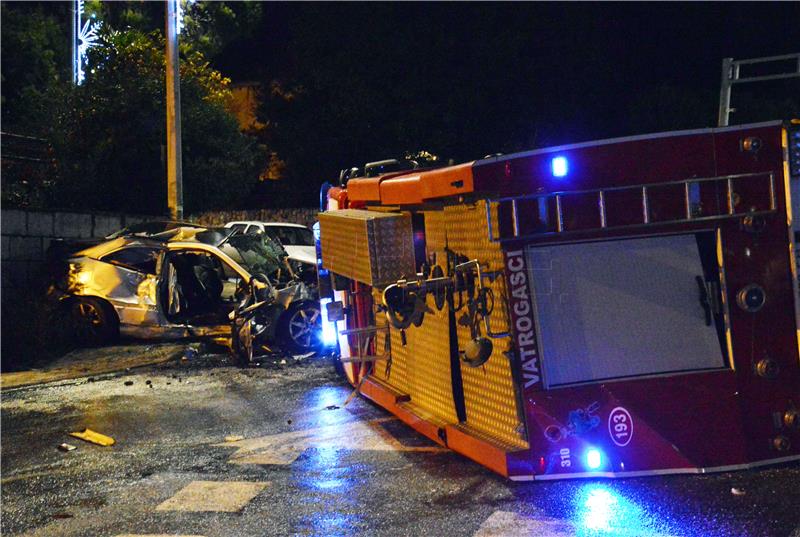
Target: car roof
(203, 235)
(271, 224)
(284, 224)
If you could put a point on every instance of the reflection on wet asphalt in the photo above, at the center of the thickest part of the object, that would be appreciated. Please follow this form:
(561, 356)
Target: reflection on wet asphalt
(308, 465)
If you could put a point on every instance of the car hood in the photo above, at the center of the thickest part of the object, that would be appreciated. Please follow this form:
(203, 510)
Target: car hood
(303, 254)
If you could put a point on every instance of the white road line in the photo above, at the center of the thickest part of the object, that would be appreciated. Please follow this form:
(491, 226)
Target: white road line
(225, 496)
(509, 524)
(284, 448)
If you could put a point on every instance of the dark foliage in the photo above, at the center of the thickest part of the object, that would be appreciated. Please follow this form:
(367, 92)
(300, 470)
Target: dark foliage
(108, 135)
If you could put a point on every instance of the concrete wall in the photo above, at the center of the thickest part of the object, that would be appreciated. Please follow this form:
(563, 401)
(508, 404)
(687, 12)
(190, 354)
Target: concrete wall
(26, 235)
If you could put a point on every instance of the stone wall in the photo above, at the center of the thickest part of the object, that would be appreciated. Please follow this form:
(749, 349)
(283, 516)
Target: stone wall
(26, 235)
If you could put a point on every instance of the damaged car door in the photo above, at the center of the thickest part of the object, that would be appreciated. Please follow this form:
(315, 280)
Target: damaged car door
(130, 284)
(199, 289)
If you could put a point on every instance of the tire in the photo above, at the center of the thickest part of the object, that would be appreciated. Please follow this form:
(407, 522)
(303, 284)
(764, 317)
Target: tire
(300, 326)
(95, 321)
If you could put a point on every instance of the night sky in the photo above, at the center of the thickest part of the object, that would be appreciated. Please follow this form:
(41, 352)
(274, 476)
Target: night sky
(349, 83)
(469, 79)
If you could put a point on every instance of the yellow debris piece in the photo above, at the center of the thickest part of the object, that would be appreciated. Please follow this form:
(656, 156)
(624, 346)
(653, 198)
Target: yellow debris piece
(94, 437)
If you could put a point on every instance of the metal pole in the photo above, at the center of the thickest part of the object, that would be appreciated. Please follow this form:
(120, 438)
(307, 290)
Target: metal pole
(174, 170)
(75, 12)
(725, 92)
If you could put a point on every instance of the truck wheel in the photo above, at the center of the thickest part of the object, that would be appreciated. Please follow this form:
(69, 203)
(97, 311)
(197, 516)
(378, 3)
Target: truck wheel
(96, 322)
(301, 326)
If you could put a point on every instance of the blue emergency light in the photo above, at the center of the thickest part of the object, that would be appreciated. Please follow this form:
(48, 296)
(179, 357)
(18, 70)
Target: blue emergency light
(560, 166)
(594, 459)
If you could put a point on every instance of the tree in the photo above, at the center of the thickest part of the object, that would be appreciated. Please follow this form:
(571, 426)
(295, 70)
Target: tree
(107, 135)
(35, 55)
(109, 132)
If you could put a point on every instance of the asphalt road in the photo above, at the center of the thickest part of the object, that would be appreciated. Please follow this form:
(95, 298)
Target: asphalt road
(298, 462)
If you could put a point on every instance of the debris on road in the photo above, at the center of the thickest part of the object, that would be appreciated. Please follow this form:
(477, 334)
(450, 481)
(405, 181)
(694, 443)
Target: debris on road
(62, 515)
(128, 383)
(736, 491)
(332, 407)
(94, 437)
(66, 447)
(234, 438)
(190, 353)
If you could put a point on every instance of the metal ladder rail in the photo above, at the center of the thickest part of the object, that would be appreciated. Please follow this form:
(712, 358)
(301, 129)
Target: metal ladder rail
(645, 193)
(369, 332)
(364, 336)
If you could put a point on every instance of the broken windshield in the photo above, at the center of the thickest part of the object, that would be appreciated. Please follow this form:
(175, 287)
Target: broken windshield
(256, 253)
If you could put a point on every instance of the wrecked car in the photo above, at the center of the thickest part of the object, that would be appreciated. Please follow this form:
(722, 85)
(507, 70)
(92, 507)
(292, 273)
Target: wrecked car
(297, 240)
(189, 282)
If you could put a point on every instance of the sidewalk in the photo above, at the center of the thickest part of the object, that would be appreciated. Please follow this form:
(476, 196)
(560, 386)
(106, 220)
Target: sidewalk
(95, 361)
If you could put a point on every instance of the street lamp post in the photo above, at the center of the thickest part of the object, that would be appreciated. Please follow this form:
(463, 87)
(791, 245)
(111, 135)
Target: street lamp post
(174, 169)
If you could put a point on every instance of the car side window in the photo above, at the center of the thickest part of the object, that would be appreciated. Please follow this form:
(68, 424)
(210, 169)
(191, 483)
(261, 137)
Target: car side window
(253, 229)
(230, 279)
(238, 228)
(137, 258)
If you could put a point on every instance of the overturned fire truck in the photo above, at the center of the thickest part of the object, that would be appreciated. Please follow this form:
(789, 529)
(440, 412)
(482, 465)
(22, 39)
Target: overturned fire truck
(617, 308)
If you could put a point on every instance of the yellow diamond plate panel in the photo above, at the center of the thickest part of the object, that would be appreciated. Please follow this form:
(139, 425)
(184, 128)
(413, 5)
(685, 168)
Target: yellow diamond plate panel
(367, 246)
(433, 388)
(421, 367)
(488, 390)
(397, 376)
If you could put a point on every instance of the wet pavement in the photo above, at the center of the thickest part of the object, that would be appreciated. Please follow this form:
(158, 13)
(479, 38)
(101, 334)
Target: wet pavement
(93, 362)
(207, 449)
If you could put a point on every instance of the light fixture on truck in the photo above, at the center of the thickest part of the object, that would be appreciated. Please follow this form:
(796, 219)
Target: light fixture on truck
(328, 325)
(560, 166)
(594, 459)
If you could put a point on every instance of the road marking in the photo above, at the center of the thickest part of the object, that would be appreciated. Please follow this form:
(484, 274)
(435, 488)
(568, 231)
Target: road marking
(285, 448)
(226, 496)
(509, 524)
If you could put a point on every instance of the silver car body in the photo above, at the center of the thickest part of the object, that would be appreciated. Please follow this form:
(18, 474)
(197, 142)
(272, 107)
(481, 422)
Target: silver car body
(145, 302)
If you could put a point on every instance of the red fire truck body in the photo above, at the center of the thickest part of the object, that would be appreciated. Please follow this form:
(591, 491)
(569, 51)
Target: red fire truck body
(617, 308)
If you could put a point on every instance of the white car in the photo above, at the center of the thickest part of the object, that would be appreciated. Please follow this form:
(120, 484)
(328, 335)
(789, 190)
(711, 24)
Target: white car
(298, 240)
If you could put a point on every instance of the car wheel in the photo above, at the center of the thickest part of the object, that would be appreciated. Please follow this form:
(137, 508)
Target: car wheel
(96, 322)
(301, 326)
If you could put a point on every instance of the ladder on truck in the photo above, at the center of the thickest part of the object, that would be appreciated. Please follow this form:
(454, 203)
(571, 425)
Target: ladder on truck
(731, 75)
(553, 217)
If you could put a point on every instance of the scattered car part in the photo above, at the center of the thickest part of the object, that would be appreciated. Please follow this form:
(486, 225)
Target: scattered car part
(94, 437)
